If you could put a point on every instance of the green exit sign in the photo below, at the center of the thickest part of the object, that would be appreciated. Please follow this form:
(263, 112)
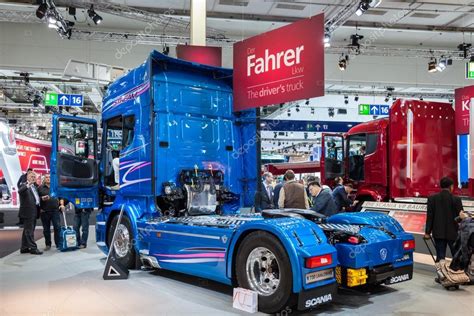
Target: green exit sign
(364, 109)
(470, 70)
(51, 99)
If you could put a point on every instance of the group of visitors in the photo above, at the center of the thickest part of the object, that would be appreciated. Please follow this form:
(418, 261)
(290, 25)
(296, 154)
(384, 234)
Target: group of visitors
(36, 202)
(291, 193)
(443, 208)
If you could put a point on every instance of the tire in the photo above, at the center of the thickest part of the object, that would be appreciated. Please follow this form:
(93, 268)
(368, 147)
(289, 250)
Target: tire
(129, 257)
(260, 245)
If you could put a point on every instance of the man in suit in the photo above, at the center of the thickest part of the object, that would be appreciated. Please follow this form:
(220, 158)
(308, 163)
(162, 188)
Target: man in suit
(29, 212)
(322, 201)
(340, 194)
(21, 180)
(264, 198)
(442, 209)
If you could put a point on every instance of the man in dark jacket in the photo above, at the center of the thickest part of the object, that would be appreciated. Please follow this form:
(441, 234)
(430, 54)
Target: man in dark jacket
(29, 212)
(322, 201)
(49, 213)
(442, 209)
(341, 198)
(21, 180)
(264, 198)
(276, 192)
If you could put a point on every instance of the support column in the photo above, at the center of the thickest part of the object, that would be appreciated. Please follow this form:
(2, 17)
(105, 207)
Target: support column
(198, 22)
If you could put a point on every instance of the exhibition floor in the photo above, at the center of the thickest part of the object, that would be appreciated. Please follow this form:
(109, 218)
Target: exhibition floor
(71, 284)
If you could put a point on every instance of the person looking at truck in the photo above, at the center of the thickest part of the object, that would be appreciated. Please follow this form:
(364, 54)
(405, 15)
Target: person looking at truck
(341, 197)
(49, 213)
(264, 198)
(442, 210)
(322, 201)
(293, 193)
(276, 191)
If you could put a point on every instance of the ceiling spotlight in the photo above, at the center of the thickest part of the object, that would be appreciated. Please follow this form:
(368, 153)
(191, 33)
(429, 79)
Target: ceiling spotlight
(307, 102)
(327, 40)
(312, 110)
(421, 98)
(343, 62)
(355, 40)
(363, 6)
(41, 11)
(331, 112)
(93, 15)
(464, 48)
(387, 98)
(441, 64)
(356, 98)
(432, 65)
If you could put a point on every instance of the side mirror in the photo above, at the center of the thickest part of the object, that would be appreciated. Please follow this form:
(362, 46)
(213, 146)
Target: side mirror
(81, 149)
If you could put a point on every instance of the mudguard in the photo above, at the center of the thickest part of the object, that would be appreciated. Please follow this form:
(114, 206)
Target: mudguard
(367, 218)
(301, 239)
(132, 210)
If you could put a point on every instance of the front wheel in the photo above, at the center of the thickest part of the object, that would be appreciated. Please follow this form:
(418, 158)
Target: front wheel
(263, 266)
(124, 242)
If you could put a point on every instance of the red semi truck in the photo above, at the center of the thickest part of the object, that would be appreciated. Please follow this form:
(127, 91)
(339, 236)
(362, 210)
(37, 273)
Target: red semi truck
(399, 158)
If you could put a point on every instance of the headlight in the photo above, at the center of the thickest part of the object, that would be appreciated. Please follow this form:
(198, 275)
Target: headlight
(168, 190)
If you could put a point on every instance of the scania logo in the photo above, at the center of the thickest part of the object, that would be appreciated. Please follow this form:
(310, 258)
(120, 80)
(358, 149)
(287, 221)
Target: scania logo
(224, 239)
(383, 253)
(399, 278)
(318, 300)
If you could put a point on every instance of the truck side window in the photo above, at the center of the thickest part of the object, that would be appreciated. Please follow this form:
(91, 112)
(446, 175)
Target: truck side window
(76, 139)
(128, 130)
(333, 157)
(372, 140)
(357, 152)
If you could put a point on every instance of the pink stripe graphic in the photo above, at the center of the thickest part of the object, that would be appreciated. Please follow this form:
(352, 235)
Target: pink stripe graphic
(195, 255)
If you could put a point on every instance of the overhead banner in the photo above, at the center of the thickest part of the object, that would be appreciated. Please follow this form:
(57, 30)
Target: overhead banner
(282, 65)
(462, 101)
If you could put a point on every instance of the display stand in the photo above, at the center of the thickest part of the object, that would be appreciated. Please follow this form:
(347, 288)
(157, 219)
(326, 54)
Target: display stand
(113, 269)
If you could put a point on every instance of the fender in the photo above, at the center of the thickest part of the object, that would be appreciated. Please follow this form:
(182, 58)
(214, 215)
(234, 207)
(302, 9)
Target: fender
(132, 209)
(283, 229)
(367, 218)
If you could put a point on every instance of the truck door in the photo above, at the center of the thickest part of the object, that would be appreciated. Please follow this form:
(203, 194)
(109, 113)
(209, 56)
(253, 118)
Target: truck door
(332, 158)
(74, 168)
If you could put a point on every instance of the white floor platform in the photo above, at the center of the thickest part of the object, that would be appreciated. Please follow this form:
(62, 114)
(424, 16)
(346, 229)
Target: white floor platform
(71, 284)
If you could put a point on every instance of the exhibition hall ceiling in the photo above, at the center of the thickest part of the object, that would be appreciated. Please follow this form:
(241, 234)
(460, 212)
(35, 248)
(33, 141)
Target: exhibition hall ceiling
(397, 28)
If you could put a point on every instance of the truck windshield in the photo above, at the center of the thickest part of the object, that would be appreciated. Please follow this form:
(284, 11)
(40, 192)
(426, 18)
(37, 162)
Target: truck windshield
(333, 156)
(357, 150)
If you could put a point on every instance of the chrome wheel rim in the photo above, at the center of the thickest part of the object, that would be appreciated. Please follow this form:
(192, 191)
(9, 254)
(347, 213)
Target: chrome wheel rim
(122, 241)
(263, 271)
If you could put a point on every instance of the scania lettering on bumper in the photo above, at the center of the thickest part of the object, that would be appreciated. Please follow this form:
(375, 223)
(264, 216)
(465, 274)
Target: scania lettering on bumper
(317, 296)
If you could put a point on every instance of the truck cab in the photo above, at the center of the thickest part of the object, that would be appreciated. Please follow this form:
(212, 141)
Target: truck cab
(393, 157)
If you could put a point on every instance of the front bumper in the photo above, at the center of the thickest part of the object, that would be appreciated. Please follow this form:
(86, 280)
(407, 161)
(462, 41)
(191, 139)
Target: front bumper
(385, 274)
(317, 296)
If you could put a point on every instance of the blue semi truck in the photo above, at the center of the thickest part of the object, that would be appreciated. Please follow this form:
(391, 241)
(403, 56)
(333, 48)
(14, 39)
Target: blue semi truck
(182, 164)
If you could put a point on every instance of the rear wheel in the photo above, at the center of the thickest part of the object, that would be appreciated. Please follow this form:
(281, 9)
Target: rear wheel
(262, 265)
(124, 242)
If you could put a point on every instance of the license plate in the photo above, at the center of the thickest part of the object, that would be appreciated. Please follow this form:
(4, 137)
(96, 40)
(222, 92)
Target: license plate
(319, 275)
